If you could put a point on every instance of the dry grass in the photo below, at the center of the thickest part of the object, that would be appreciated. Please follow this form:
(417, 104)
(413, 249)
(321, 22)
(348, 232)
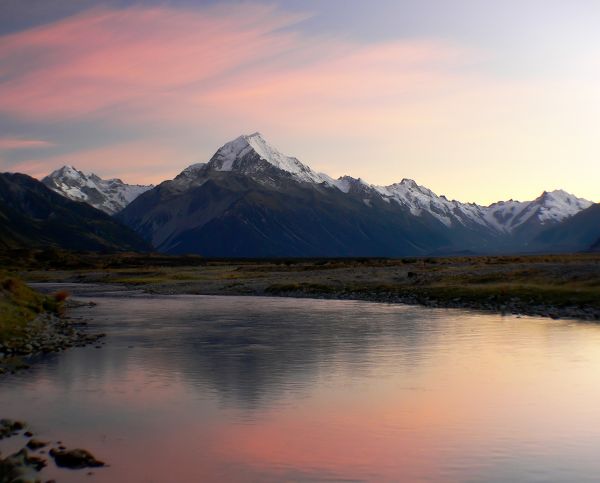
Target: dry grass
(554, 279)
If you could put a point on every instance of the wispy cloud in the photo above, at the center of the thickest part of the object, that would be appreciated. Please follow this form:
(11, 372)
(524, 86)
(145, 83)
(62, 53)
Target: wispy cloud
(176, 82)
(218, 69)
(106, 58)
(173, 64)
(13, 144)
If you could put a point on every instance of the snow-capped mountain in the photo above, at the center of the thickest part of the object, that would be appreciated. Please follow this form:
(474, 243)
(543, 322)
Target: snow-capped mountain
(34, 216)
(504, 216)
(253, 156)
(249, 199)
(420, 200)
(108, 195)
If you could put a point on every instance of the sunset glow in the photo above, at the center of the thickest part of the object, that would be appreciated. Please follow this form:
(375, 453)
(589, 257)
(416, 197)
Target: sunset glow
(141, 91)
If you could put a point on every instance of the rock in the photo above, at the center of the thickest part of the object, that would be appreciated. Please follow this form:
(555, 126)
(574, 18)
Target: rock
(8, 427)
(21, 468)
(36, 444)
(75, 459)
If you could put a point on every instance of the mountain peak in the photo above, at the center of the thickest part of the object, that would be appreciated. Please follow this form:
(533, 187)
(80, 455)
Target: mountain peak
(244, 153)
(348, 183)
(558, 204)
(69, 171)
(409, 182)
(226, 156)
(110, 195)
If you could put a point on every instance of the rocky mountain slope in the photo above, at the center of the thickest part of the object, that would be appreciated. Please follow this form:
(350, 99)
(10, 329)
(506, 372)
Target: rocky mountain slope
(577, 233)
(110, 195)
(33, 216)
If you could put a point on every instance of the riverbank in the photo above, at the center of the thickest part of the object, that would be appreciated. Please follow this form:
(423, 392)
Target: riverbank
(556, 286)
(32, 323)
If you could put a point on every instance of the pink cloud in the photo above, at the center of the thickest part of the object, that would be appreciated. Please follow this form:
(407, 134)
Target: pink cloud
(223, 70)
(173, 64)
(104, 58)
(12, 144)
(179, 82)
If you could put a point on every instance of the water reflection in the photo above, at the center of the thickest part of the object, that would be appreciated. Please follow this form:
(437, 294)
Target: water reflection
(250, 353)
(254, 389)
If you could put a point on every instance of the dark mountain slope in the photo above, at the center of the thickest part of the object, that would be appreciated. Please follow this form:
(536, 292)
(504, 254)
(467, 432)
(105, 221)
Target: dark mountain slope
(233, 215)
(577, 233)
(31, 215)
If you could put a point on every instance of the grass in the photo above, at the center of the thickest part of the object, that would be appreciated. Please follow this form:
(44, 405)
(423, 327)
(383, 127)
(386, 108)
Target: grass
(560, 280)
(304, 287)
(19, 304)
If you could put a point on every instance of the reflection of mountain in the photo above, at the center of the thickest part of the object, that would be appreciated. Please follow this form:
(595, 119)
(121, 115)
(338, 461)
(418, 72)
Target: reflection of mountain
(252, 351)
(252, 354)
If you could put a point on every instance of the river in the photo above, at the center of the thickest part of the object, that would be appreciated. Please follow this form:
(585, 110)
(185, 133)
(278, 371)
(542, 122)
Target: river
(244, 389)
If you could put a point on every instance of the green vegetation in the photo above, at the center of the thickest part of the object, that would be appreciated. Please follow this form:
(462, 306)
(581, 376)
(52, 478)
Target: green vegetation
(19, 304)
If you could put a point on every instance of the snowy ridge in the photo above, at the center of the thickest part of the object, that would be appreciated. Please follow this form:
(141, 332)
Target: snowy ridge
(110, 196)
(419, 199)
(504, 216)
(250, 154)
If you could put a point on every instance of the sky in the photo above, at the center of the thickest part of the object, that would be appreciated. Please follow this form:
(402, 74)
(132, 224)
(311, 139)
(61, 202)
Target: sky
(477, 100)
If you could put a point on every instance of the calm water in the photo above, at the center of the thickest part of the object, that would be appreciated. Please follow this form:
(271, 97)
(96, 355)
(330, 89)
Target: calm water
(194, 388)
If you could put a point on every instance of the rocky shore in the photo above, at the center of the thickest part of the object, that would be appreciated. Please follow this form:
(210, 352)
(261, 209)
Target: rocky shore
(44, 334)
(512, 306)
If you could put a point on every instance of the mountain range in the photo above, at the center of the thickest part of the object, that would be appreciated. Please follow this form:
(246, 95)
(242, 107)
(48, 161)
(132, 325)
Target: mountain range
(250, 200)
(33, 216)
